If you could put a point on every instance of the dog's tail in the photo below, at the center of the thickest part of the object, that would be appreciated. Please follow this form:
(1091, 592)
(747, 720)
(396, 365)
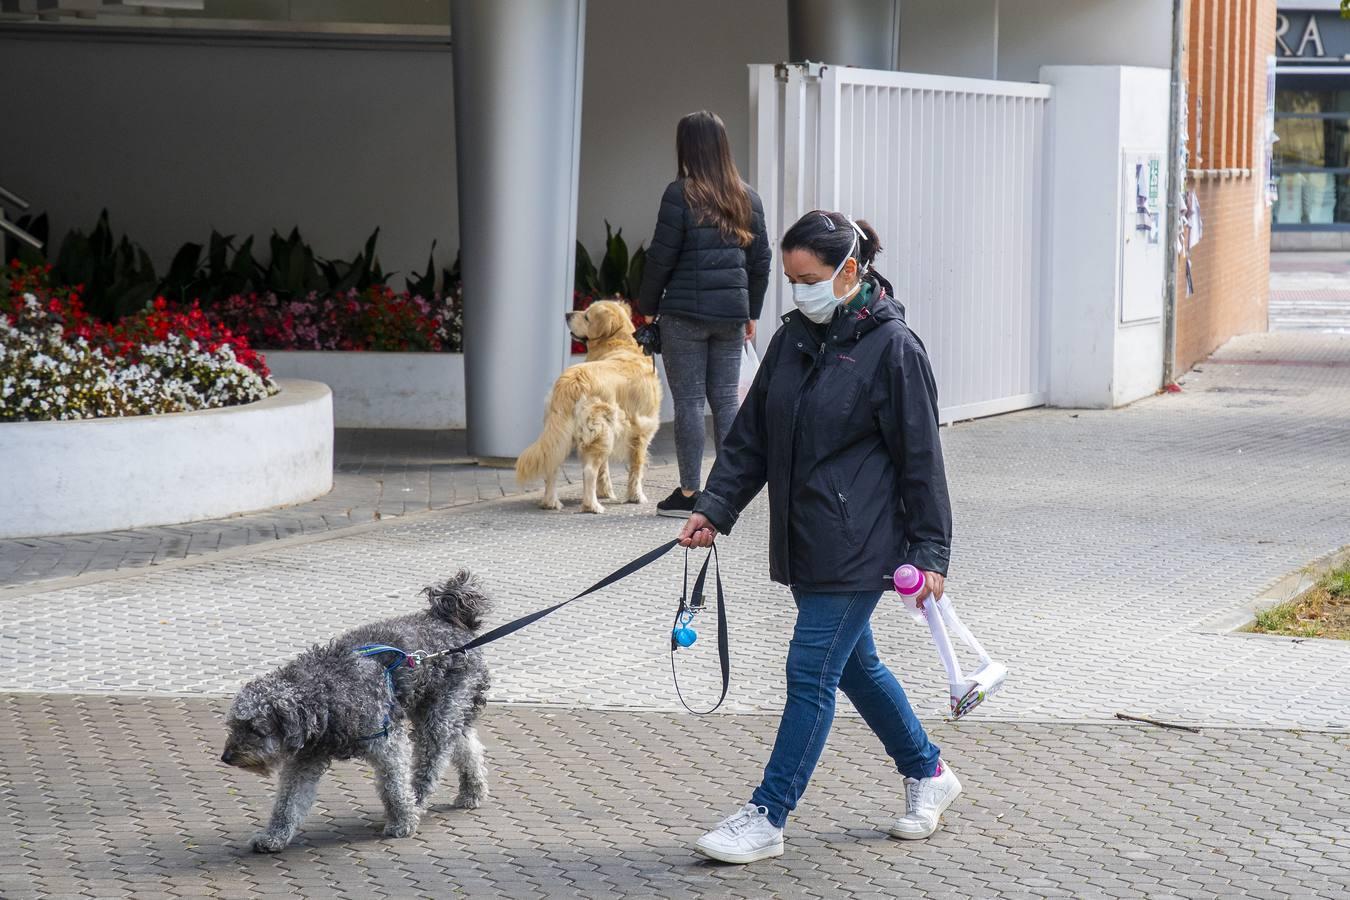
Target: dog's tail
(545, 455)
(459, 600)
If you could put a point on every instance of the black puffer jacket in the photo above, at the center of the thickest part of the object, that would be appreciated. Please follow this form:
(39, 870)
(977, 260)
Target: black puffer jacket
(845, 434)
(703, 273)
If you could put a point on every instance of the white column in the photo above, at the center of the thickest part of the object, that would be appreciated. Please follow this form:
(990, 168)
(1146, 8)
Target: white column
(517, 69)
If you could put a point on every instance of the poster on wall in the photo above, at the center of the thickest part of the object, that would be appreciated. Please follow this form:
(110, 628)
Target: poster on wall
(1195, 226)
(1142, 253)
(1146, 209)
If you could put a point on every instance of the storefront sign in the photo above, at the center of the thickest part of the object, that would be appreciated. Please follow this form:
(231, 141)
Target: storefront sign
(1302, 36)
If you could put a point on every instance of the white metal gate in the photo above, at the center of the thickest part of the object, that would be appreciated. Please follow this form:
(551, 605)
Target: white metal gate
(950, 172)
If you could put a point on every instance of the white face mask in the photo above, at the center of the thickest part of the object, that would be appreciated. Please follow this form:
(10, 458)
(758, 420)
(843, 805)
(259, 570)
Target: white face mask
(817, 301)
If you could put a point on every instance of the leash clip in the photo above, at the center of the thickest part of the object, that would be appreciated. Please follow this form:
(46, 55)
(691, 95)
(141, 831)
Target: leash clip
(682, 634)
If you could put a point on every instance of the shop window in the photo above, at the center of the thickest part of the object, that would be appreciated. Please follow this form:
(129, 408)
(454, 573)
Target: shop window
(411, 18)
(1312, 157)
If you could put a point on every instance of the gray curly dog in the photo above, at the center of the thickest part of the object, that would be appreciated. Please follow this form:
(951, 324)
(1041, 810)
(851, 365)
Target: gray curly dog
(331, 703)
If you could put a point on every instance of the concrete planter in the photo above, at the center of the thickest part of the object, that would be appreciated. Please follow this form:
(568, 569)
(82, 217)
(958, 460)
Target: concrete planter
(382, 390)
(108, 474)
(395, 390)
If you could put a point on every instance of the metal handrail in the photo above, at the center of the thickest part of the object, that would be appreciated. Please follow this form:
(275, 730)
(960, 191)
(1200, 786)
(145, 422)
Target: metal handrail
(15, 231)
(9, 198)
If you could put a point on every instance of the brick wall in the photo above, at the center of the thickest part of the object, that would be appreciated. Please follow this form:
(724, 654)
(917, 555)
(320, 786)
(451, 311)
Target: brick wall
(1230, 268)
(1225, 60)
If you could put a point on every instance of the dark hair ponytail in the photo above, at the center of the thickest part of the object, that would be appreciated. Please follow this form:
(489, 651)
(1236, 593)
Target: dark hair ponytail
(830, 236)
(869, 245)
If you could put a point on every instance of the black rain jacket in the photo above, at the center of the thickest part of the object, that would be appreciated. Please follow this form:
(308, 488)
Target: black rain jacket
(844, 432)
(695, 270)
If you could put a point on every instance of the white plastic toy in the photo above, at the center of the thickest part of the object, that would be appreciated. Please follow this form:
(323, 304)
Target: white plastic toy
(966, 693)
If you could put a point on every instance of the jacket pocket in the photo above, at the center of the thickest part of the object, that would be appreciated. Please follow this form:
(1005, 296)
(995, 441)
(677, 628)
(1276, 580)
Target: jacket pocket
(841, 504)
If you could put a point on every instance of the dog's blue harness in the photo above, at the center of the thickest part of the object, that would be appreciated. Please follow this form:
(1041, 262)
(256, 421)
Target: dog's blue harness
(404, 659)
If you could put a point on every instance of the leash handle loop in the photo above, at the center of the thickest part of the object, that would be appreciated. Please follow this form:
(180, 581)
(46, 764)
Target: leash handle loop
(694, 604)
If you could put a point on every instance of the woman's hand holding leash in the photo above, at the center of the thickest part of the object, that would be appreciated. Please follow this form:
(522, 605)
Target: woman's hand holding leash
(698, 532)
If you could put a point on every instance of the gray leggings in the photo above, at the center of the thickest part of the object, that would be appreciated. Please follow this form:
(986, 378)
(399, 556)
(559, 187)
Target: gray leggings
(703, 360)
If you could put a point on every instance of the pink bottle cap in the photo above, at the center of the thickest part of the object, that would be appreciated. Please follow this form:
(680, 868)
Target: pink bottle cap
(908, 580)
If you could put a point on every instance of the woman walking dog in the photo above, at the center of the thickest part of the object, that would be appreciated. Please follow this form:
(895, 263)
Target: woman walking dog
(841, 424)
(706, 273)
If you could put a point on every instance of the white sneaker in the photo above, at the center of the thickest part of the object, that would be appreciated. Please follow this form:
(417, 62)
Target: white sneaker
(743, 838)
(925, 799)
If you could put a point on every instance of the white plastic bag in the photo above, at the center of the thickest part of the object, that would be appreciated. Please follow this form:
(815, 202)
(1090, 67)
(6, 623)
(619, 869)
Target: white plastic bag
(749, 366)
(966, 693)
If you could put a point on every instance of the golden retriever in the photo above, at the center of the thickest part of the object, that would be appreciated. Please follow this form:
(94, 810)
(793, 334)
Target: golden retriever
(613, 399)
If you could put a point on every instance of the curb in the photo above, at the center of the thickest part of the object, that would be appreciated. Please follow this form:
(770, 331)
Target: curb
(1282, 591)
(44, 586)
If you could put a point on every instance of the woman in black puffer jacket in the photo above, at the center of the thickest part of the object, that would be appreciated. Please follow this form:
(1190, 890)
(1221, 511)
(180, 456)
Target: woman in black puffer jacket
(706, 274)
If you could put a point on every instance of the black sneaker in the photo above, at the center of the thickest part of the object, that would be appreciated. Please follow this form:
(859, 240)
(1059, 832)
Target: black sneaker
(677, 505)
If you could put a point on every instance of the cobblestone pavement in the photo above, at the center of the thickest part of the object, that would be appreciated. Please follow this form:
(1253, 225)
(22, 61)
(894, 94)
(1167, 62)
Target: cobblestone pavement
(376, 475)
(123, 797)
(1103, 555)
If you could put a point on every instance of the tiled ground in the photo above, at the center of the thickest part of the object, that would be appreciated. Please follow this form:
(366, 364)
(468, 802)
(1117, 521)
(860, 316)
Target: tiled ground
(1141, 531)
(123, 797)
(1102, 555)
(1310, 292)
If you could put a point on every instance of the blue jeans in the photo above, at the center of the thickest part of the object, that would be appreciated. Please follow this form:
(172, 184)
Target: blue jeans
(832, 649)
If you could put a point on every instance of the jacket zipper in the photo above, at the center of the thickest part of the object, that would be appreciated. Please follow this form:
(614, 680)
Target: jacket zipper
(845, 519)
(792, 450)
(848, 522)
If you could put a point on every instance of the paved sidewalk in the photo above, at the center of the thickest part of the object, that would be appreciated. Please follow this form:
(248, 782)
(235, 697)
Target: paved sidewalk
(1104, 556)
(1310, 292)
(123, 797)
(377, 475)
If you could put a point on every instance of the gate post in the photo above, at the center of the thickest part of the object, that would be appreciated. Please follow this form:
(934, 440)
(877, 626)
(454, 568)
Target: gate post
(766, 175)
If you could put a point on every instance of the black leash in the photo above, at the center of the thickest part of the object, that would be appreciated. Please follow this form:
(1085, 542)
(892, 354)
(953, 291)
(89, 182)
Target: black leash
(684, 615)
(511, 627)
(690, 605)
